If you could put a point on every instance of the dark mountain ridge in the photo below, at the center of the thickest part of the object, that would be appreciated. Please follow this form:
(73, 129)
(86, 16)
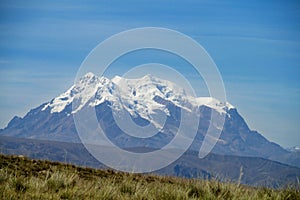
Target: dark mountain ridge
(255, 171)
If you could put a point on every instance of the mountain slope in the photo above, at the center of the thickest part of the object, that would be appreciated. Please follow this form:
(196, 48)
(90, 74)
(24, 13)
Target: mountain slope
(145, 100)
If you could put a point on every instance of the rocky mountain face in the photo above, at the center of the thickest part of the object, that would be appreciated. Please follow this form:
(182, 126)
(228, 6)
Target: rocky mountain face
(145, 100)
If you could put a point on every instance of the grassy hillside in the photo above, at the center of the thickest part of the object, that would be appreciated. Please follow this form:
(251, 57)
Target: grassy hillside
(22, 178)
(256, 171)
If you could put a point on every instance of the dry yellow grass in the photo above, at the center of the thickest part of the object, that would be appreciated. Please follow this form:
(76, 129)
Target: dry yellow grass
(22, 178)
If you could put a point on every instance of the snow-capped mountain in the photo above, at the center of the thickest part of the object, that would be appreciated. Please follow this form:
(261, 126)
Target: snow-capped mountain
(137, 96)
(144, 100)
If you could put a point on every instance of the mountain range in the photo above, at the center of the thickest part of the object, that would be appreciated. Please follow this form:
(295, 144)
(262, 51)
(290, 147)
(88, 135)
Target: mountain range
(148, 101)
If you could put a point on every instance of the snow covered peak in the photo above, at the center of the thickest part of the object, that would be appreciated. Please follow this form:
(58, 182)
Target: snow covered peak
(137, 96)
(148, 84)
(88, 75)
(150, 77)
(91, 78)
(88, 78)
(214, 103)
(83, 90)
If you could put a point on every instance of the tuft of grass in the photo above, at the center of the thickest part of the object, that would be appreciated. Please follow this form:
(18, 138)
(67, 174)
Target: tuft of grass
(23, 178)
(19, 185)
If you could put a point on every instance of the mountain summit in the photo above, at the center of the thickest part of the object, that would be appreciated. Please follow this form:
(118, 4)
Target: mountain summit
(144, 100)
(137, 96)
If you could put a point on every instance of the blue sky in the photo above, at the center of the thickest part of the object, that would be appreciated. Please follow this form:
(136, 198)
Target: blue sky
(256, 46)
